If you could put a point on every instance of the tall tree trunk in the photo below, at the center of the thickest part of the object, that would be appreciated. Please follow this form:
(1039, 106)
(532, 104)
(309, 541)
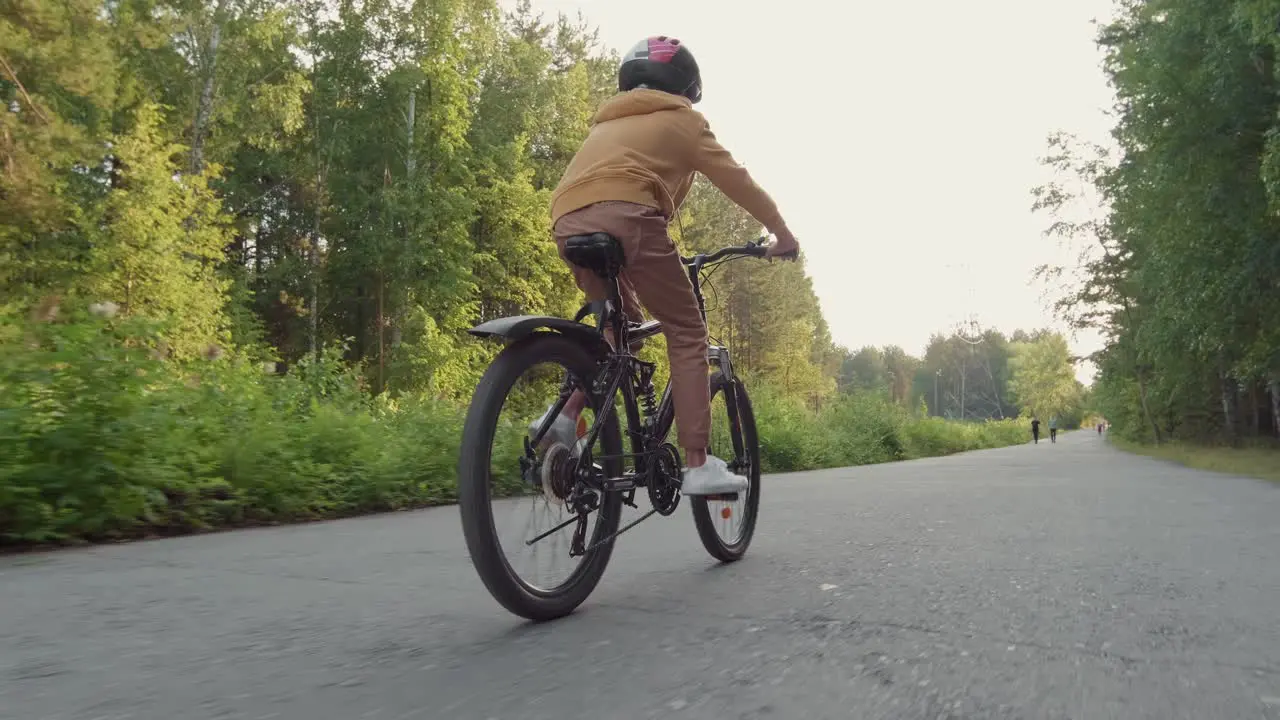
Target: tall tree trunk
(1228, 405)
(730, 341)
(321, 157)
(361, 337)
(1146, 406)
(1274, 387)
(936, 411)
(995, 390)
(313, 303)
(411, 119)
(257, 251)
(204, 107)
(1255, 417)
(381, 346)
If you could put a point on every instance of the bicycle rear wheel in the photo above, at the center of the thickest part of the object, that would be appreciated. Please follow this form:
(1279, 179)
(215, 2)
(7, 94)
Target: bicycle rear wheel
(493, 485)
(727, 524)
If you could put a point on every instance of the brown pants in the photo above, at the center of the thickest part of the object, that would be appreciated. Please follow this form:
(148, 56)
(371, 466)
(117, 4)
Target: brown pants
(654, 279)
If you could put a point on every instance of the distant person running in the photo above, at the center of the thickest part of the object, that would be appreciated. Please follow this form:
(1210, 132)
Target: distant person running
(1035, 430)
(1053, 429)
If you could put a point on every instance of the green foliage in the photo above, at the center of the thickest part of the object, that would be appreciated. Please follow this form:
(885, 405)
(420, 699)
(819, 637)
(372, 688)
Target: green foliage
(103, 438)
(966, 376)
(860, 429)
(160, 242)
(1178, 270)
(864, 370)
(962, 376)
(1043, 379)
(57, 98)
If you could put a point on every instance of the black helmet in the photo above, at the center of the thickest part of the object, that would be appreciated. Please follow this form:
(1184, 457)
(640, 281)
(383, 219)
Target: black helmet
(662, 63)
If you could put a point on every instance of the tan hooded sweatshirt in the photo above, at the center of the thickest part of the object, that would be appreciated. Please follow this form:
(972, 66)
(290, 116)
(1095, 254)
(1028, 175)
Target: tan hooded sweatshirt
(644, 147)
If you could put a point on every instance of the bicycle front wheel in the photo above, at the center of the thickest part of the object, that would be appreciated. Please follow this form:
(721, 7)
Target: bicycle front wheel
(726, 524)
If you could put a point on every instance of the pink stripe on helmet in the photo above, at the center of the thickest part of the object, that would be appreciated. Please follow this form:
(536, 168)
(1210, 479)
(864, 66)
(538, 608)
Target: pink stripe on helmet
(663, 48)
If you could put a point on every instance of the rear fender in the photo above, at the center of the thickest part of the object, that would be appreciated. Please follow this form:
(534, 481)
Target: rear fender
(519, 327)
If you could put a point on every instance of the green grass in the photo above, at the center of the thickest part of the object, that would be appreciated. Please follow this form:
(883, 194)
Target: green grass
(1259, 461)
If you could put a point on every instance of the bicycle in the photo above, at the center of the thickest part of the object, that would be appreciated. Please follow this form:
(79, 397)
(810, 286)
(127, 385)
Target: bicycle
(592, 479)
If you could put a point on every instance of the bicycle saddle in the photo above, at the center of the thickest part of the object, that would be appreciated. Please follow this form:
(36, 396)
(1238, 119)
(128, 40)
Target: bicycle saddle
(598, 252)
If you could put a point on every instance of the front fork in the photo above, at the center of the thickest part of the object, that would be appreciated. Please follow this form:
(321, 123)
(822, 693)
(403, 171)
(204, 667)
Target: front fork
(719, 357)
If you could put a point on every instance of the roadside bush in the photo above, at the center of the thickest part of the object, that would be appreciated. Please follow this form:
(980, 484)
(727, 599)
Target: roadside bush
(861, 429)
(927, 437)
(102, 436)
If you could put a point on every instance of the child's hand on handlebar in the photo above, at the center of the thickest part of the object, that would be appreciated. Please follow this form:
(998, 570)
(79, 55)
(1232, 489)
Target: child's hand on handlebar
(784, 247)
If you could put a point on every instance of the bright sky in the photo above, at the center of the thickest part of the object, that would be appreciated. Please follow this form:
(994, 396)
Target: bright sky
(900, 139)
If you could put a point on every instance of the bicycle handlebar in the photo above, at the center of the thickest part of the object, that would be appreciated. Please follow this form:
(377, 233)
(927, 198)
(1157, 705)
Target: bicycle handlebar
(755, 248)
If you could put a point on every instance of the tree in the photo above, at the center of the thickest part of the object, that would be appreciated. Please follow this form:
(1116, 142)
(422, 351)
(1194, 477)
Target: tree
(57, 96)
(864, 370)
(1043, 378)
(1180, 276)
(901, 370)
(160, 242)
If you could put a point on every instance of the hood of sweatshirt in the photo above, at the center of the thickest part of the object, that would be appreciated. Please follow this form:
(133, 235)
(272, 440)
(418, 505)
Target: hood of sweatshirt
(641, 101)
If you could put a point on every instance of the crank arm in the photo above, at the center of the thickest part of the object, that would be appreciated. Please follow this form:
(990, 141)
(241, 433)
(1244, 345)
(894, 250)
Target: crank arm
(630, 481)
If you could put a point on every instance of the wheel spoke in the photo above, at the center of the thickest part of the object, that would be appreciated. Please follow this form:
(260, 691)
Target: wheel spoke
(726, 523)
(508, 492)
(534, 537)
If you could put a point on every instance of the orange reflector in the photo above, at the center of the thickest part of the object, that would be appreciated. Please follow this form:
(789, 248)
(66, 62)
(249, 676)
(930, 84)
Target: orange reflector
(726, 513)
(582, 426)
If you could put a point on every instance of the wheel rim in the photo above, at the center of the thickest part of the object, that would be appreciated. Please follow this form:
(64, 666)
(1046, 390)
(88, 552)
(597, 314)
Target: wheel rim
(521, 509)
(729, 518)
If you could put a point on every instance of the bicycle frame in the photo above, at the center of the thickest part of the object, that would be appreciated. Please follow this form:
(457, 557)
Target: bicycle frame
(628, 374)
(624, 372)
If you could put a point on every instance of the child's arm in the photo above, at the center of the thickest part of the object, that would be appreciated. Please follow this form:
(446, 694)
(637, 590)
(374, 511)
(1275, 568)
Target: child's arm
(714, 161)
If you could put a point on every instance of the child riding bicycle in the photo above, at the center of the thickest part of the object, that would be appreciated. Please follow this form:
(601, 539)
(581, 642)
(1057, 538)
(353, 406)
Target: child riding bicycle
(628, 180)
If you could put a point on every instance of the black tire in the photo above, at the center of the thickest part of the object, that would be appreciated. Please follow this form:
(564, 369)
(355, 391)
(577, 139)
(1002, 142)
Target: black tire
(702, 513)
(475, 488)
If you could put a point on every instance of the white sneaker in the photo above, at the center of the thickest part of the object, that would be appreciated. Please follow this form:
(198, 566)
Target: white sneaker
(563, 430)
(711, 478)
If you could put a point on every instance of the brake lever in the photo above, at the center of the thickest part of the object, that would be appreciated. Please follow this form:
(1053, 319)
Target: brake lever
(792, 255)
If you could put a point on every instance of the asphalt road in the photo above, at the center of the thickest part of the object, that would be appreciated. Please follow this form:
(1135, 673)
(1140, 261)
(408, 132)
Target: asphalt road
(1051, 581)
